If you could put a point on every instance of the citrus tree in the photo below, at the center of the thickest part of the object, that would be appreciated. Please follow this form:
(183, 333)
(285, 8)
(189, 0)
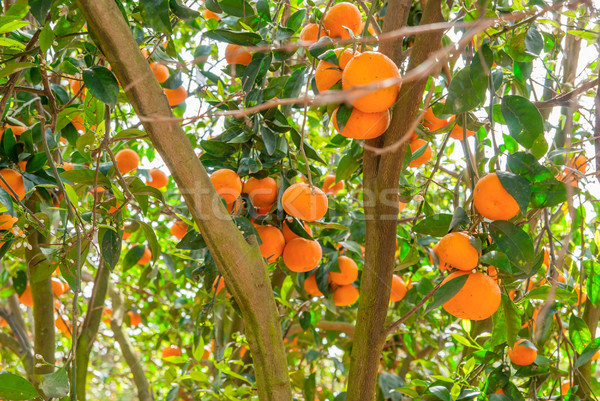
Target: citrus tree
(278, 200)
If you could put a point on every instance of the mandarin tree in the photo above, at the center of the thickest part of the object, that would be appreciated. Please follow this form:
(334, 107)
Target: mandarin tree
(289, 200)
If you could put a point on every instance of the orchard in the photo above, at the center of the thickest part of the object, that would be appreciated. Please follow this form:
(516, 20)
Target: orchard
(299, 200)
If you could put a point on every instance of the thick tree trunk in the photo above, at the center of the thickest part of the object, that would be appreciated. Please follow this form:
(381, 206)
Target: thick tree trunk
(89, 329)
(381, 175)
(240, 262)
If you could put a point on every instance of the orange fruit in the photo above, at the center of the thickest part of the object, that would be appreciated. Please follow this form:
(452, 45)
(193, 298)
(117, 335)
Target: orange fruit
(107, 314)
(146, 257)
(262, 192)
(272, 242)
(361, 125)
(25, 298)
(161, 72)
(456, 251)
(329, 187)
(17, 130)
(328, 74)
(14, 180)
(67, 166)
(78, 124)
(126, 235)
(401, 206)
(565, 387)
(399, 289)
(546, 257)
(310, 286)
(434, 123)
(289, 235)
(345, 295)
(594, 358)
(310, 34)
(458, 133)
(7, 221)
(127, 160)
(227, 184)
(134, 319)
(158, 179)
(300, 201)
(58, 287)
(302, 255)
(210, 15)
(76, 85)
(348, 272)
(235, 54)
(521, 355)
(179, 229)
(370, 68)
(478, 299)
(493, 273)
(171, 350)
(263, 211)
(176, 96)
(3, 323)
(341, 16)
(221, 285)
(578, 163)
(499, 391)
(64, 327)
(425, 157)
(492, 201)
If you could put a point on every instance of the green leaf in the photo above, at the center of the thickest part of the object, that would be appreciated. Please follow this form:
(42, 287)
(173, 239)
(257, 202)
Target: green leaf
(82, 176)
(213, 5)
(262, 6)
(534, 42)
(102, 84)
(10, 24)
(481, 68)
(237, 8)
(13, 387)
(46, 38)
(517, 186)
(295, 21)
(133, 256)
(524, 120)
(579, 333)
(12, 44)
(460, 218)
(436, 225)
(110, 246)
(129, 133)
(322, 46)
(218, 148)
(237, 38)
(270, 139)
(588, 353)
(497, 259)
(156, 12)
(342, 115)
(593, 289)
(346, 167)
(11, 68)
(183, 12)
(152, 240)
(56, 384)
(311, 153)
(447, 291)
(511, 319)
(39, 9)
(6, 201)
(462, 96)
(297, 228)
(514, 243)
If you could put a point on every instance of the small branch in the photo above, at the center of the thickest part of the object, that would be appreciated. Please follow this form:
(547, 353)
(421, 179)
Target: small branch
(392, 327)
(139, 376)
(326, 325)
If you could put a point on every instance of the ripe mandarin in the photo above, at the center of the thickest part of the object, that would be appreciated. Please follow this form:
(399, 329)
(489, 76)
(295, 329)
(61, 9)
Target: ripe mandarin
(127, 160)
(235, 54)
(522, 355)
(345, 295)
(478, 299)
(348, 272)
(310, 286)
(227, 184)
(398, 289)
(456, 251)
(341, 16)
(367, 69)
(158, 179)
(330, 187)
(302, 255)
(262, 192)
(425, 157)
(14, 180)
(361, 125)
(492, 201)
(300, 201)
(272, 242)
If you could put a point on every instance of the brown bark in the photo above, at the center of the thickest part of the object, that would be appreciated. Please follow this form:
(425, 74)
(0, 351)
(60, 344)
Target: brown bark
(240, 262)
(381, 175)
